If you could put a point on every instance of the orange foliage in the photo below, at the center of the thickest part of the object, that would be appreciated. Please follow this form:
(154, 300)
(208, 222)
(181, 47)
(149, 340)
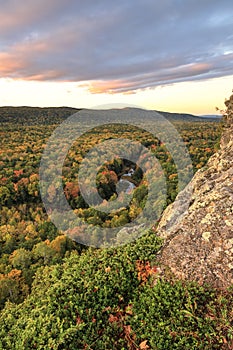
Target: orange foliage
(71, 190)
(17, 173)
(145, 270)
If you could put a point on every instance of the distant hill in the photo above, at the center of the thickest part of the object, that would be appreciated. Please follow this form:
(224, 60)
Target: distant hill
(215, 116)
(188, 117)
(53, 115)
(35, 115)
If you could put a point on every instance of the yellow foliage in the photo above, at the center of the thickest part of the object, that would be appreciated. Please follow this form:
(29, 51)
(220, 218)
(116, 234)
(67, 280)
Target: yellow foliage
(57, 243)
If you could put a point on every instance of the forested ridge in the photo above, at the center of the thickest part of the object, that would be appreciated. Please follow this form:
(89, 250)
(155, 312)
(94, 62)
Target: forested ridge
(52, 115)
(58, 294)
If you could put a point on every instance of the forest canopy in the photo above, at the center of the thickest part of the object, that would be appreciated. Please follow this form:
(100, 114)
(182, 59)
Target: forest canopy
(58, 294)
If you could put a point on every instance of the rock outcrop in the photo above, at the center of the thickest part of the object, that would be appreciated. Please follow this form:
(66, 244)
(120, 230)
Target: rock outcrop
(198, 236)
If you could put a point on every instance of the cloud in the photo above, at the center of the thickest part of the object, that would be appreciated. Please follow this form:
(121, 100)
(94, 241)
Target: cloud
(163, 77)
(116, 47)
(17, 17)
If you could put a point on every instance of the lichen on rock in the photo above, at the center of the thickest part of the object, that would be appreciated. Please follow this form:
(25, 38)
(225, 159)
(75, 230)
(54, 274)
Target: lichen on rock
(198, 236)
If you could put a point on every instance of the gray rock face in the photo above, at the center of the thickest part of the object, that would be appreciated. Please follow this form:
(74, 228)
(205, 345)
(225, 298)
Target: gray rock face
(199, 235)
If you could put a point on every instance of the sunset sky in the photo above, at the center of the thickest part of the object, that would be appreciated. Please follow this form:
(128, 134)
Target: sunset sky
(171, 55)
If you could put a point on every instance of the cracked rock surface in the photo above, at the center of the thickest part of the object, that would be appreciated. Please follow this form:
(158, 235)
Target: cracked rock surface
(198, 226)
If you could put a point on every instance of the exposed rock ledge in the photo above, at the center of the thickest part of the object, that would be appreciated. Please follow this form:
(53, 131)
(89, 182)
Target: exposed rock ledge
(199, 236)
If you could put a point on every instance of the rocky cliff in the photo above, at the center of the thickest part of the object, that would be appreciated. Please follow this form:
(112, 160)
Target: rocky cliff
(199, 236)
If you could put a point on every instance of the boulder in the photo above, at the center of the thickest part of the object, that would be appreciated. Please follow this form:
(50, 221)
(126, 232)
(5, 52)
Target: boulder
(198, 227)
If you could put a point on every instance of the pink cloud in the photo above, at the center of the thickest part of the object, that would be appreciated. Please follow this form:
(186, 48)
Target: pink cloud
(155, 78)
(60, 40)
(15, 15)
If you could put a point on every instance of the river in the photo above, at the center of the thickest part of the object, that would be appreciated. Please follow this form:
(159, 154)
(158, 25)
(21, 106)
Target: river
(128, 186)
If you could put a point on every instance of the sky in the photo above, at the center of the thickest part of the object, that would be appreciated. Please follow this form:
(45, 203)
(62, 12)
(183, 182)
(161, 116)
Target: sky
(170, 55)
